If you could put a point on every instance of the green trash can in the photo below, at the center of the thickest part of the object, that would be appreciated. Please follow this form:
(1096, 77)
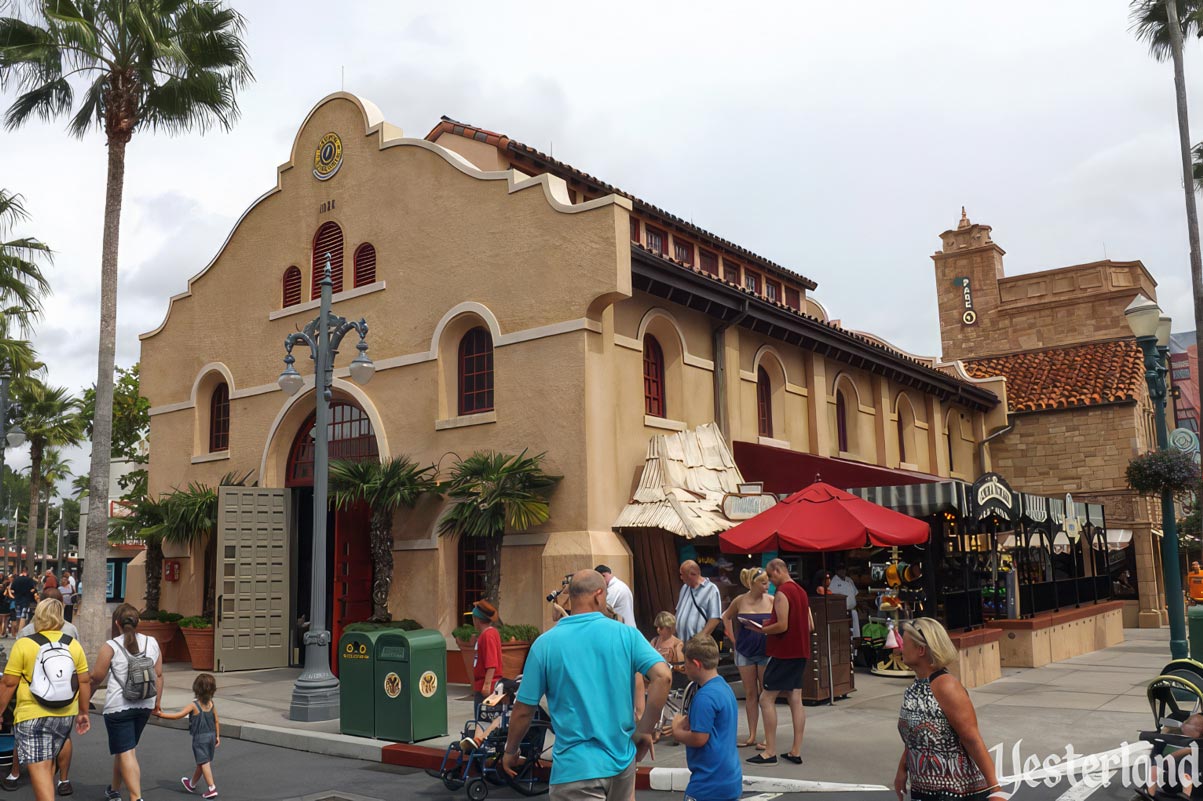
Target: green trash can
(1194, 631)
(356, 657)
(410, 687)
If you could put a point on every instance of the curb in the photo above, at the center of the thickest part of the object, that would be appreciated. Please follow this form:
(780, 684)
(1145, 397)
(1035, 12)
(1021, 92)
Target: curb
(676, 779)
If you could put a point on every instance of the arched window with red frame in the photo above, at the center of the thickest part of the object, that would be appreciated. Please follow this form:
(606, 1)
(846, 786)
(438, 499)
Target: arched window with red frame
(292, 286)
(219, 418)
(476, 372)
(365, 264)
(764, 403)
(328, 239)
(841, 421)
(653, 377)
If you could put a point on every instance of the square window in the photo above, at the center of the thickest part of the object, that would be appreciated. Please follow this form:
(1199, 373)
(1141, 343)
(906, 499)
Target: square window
(657, 241)
(709, 262)
(634, 230)
(730, 271)
(793, 298)
(772, 291)
(752, 282)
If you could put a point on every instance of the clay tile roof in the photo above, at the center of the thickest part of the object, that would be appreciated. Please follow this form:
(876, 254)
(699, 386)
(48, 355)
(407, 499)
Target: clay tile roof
(449, 125)
(1062, 378)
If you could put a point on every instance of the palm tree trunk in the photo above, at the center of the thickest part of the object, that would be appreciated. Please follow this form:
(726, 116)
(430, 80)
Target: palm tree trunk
(92, 621)
(1188, 176)
(382, 566)
(493, 571)
(154, 573)
(46, 532)
(35, 495)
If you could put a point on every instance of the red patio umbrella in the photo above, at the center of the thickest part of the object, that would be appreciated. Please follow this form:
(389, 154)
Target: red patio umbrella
(823, 518)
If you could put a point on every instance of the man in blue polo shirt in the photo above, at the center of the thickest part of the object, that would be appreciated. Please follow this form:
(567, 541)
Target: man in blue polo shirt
(586, 668)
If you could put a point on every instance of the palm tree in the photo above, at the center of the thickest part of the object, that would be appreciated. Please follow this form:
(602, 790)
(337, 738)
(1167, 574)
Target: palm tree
(79, 487)
(1161, 23)
(54, 470)
(174, 65)
(147, 522)
(22, 284)
(191, 519)
(385, 487)
(492, 493)
(50, 418)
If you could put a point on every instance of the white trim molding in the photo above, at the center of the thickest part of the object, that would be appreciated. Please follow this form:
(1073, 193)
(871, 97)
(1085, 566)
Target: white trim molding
(338, 297)
(466, 420)
(663, 422)
(216, 456)
(776, 443)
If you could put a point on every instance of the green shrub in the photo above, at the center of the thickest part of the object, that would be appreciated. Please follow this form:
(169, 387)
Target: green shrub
(405, 624)
(195, 622)
(519, 632)
(1161, 471)
(169, 617)
(464, 633)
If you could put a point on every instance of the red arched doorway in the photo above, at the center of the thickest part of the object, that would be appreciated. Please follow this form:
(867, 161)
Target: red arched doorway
(348, 553)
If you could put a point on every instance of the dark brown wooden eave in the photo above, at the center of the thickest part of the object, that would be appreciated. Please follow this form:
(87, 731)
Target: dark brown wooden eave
(727, 303)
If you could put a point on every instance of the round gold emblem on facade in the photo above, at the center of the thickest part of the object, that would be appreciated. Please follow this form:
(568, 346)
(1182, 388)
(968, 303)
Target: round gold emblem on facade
(428, 683)
(392, 685)
(328, 157)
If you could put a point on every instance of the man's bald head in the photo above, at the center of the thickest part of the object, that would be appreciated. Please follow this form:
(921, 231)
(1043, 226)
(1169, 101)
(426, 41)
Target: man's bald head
(691, 573)
(587, 591)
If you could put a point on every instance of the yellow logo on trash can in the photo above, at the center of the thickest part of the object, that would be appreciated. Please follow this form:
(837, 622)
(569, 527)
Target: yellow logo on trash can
(392, 685)
(428, 684)
(355, 651)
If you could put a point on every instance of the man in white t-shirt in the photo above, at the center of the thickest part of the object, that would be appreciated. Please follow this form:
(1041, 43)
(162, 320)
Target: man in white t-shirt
(618, 595)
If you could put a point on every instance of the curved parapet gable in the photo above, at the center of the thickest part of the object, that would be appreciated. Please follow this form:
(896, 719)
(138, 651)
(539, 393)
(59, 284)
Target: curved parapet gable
(555, 191)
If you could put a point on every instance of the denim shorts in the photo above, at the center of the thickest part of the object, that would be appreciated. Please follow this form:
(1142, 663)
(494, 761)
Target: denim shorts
(21, 612)
(125, 729)
(748, 661)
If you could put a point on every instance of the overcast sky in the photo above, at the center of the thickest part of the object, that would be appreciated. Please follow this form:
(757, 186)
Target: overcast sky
(836, 139)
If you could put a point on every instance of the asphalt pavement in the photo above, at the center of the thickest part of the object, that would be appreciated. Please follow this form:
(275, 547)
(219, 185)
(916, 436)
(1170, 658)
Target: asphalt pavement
(252, 771)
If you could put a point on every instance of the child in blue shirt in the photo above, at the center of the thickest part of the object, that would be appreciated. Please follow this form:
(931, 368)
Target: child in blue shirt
(709, 731)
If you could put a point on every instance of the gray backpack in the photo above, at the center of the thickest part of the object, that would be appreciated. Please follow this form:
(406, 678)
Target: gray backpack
(139, 675)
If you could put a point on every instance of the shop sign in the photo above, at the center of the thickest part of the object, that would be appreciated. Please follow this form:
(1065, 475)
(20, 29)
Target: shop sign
(1185, 440)
(1072, 525)
(744, 507)
(992, 495)
(968, 313)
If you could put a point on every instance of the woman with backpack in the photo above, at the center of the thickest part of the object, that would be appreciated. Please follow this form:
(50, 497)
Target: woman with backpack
(134, 667)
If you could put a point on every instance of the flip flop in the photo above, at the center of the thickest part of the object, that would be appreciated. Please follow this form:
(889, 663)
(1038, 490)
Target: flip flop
(761, 746)
(747, 744)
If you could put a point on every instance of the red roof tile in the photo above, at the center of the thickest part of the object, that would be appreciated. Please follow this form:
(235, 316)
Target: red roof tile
(1062, 378)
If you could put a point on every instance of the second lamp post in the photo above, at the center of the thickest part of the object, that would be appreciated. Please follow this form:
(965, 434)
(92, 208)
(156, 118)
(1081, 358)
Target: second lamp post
(315, 695)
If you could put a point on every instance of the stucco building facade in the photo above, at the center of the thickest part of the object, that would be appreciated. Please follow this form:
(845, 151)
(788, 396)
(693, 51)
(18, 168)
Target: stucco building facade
(514, 303)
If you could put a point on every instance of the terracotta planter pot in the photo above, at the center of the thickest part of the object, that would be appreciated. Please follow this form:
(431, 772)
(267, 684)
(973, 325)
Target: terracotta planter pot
(513, 657)
(200, 647)
(163, 632)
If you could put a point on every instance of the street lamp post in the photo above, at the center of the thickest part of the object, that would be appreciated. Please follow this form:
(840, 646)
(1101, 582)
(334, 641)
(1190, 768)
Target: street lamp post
(1152, 331)
(315, 694)
(12, 436)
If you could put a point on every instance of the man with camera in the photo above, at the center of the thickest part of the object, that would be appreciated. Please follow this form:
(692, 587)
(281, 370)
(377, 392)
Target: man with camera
(618, 595)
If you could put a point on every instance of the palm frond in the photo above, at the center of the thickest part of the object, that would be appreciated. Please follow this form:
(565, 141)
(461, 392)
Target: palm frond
(1150, 23)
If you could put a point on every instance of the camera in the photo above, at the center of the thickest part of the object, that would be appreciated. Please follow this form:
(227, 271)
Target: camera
(551, 596)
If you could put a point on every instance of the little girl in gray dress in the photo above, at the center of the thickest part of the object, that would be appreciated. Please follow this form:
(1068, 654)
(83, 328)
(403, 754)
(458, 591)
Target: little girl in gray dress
(206, 733)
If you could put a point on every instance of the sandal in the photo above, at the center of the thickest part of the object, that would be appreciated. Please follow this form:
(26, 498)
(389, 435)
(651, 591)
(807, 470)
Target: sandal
(748, 744)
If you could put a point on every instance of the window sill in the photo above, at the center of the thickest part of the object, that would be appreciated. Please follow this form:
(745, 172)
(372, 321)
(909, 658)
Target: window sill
(775, 443)
(908, 466)
(216, 456)
(663, 422)
(466, 420)
(312, 305)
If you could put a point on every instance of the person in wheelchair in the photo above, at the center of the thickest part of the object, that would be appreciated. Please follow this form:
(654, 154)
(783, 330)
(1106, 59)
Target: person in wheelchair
(493, 718)
(1165, 773)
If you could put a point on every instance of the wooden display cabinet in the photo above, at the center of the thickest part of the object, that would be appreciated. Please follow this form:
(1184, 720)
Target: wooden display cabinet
(829, 672)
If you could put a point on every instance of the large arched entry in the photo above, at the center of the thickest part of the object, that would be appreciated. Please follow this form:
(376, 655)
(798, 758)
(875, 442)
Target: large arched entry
(348, 586)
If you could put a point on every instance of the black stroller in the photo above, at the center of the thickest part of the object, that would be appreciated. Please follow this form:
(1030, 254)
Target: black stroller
(1173, 696)
(475, 765)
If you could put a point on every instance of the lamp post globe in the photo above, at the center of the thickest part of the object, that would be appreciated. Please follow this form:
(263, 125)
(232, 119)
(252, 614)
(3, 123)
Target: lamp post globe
(1143, 316)
(362, 369)
(15, 436)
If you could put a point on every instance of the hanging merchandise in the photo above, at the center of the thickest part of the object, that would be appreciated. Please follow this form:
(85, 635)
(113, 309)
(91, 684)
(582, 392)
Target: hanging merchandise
(892, 638)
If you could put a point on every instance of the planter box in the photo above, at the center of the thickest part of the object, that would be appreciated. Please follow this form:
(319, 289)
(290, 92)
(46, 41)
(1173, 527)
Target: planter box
(163, 632)
(200, 647)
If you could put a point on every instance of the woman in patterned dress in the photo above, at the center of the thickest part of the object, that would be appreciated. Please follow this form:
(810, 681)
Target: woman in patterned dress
(943, 755)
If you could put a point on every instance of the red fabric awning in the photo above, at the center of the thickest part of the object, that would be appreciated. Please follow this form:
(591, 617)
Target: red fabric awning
(823, 518)
(784, 471)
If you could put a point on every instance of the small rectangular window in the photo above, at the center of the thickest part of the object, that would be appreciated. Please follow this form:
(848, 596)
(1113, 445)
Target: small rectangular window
(772, 291)
(730, 271)
(683, 251)
(634, 230)
(656, 240)
(793, 298)
(752, 282)
(709, 262)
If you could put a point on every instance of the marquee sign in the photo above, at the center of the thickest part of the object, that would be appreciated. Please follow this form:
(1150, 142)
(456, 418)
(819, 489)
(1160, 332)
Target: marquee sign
(745, 507)
(991, 494)
(327, 157)
(968, 313)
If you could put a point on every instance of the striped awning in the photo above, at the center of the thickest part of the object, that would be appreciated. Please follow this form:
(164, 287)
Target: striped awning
(920, 500)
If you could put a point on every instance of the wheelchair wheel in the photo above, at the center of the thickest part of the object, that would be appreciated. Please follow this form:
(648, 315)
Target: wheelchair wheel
(452, 783)
(527, 780)
(478, 790)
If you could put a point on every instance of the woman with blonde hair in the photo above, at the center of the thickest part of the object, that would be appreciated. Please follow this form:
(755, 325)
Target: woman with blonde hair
(128, 700)
(742, 622)
(944, 757)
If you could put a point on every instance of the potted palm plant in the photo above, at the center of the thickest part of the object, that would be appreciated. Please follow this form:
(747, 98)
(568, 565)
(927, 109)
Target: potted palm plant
(491, 493)
(385, 487)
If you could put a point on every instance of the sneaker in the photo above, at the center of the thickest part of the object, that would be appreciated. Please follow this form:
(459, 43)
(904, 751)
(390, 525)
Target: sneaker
(210, 793)
(64, 787)
(10, 782)
(761, 759)
(188, 785)
(112, 795)
(467, 745)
